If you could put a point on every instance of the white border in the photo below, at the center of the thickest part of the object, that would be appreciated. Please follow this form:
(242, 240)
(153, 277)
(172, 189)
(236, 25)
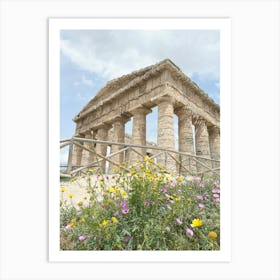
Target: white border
(222, 24)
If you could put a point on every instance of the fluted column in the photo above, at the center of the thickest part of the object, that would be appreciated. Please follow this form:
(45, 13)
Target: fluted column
(118, 136)
(214, 142)
(202, 144)
(139, 132)
(186, 144)
(87, 157)
(102, 134)
(166, 130)
(77, 153)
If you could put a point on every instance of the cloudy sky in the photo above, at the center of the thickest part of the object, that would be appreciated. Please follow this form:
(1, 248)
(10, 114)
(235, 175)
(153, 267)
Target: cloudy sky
(90, 58)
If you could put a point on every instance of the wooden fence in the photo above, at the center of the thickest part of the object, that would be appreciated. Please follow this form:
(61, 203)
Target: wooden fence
(182, 163)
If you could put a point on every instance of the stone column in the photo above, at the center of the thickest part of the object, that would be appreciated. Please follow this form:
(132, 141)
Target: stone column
(77, 153)
(166, 130)
(214, 142)
(202, 144)
(88, 157)
(118, 136)
(139, 132)
(185, 133)
(102, 134)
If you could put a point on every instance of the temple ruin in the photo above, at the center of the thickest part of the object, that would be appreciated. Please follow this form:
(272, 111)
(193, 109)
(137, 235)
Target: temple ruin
(133, 96)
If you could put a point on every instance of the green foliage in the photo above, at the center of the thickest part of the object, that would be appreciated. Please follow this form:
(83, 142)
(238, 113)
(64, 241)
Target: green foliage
(145, 209)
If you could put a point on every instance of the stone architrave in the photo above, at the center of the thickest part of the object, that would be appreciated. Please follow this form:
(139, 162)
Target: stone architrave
(214, 142)
(166, 138)
(202, 145)
(101, 149)
(118, 136)
(88, 157)
(185, 134)
(139, 132)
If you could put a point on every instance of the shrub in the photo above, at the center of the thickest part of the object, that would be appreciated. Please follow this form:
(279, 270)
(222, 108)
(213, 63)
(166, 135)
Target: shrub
(143, 209)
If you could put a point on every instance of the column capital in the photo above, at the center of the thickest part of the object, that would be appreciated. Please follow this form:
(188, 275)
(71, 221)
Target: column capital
(141, 110)
(183, 111)
(104, 126)
(121, 119)
(88, 134)
(165, 99)
(201, 121)
(214, 128)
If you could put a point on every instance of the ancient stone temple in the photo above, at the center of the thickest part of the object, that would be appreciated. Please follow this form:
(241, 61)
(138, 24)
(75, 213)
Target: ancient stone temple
(133, 96)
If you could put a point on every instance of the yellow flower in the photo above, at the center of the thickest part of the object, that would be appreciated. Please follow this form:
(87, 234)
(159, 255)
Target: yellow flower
(80, 203)
(112, 190)
(196, 223)
(124, 194)
(105, 222)
(212, 235)
(83, 220)
(115, 220)
(189, 188)
(73, 223)
(180, 179)
(132, 172)
(70, 195)
(73, 179)
(90, 170)
(110, 201)
(63, 189)
(147, 158)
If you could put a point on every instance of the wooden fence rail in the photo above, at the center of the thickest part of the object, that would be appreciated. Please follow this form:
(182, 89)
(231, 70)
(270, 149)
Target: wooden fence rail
(181, 161)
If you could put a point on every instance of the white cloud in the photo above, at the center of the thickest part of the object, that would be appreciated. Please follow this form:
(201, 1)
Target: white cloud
(87, 82)
(111, 54)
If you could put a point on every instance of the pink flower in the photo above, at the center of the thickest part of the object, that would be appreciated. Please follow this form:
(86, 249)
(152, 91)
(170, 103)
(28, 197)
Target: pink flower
(201, 205)
(125, 210)
(189, 231)
(172, 184)
(147, 203)
(217, 199)
(215, 191)
(168, 207)
(179, 222)
(202, 185)
(82, 238)
(200, 197)
(216, 195)
(126, 238)
(68, 227)
(167, 195)
(164, 190)
(123, 204)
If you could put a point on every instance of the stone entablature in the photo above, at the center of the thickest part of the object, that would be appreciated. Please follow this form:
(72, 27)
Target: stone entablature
(164, 78)
(134, 95)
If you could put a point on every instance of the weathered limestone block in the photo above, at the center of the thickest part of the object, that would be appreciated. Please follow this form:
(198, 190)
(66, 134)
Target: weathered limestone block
(139, 132)
(186, 144)
(202, 145)
(101, 149)
(166, 130)
(214, 142)
(118, 136)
